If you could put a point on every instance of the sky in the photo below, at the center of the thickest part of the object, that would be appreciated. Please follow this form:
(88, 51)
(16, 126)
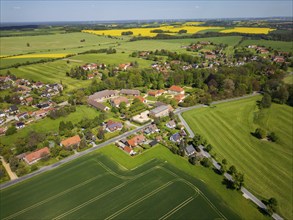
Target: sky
(77, 10)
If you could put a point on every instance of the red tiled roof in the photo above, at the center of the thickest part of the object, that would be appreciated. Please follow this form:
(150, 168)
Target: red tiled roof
(136, 140)
(37, 154)
(176, 88)
(179, 97)
(140, 98)
(71, 141)
(127, 149)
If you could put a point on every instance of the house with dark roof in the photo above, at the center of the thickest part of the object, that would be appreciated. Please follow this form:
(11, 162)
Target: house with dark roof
(98, 105)
(19, 125)
(132, 92)
(153, 143)
(161, 111)
(13, 109)
(175, 138)
(102, 95)
(112, 126)
(189, 150)
(152, 128)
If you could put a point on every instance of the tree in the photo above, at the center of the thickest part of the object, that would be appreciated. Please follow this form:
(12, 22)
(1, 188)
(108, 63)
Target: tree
(28, 44)
(206, 162)
(13, 163)
(266, 101)
(232, 170)
(238, 180)
(192, 160)
(101, 134)
(11, 130)
(82, 144)
(273, 137)
(209, 148)
(260, 133)
(272, 205)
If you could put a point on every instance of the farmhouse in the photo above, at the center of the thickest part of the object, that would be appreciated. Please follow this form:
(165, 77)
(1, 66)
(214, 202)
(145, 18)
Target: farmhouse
(176, 90)
(161, 111)
(132, 92)
(112, 126)
(71, 142)
(117, 101)
(97, 105)
(36, 155)
(136, 140)
(105, 94)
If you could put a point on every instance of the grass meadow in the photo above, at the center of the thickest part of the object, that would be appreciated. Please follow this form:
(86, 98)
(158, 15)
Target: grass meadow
(267, 166)
(64, 43)
(175, 44)
(99, 186)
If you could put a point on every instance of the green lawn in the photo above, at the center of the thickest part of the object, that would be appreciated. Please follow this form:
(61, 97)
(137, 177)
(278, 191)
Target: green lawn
(267, 166)
(47, 124)
(95, 187)
(276, 45)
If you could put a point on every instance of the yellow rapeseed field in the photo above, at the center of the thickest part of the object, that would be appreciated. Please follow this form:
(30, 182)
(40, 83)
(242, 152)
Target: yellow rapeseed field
(248, 30)
(146, 32)
(49, 55)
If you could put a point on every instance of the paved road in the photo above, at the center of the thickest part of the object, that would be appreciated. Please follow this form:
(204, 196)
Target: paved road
(70, 158)
(80, 154)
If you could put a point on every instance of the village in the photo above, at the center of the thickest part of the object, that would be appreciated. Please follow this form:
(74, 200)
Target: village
(32, 101)
(164, 127)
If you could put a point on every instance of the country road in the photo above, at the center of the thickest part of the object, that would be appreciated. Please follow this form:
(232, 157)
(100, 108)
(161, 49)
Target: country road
(110, 141)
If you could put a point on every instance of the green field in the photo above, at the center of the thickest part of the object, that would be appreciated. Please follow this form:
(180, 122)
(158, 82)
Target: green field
(276, 45)
(94, 187)
(267, 166)
(174, 44)
(49, 125)
(58, 43)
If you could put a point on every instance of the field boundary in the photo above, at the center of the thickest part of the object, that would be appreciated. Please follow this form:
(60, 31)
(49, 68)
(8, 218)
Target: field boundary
(54, 197)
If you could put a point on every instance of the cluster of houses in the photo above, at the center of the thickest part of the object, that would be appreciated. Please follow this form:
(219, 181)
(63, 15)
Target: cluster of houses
(115, 98)
(24, 90)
